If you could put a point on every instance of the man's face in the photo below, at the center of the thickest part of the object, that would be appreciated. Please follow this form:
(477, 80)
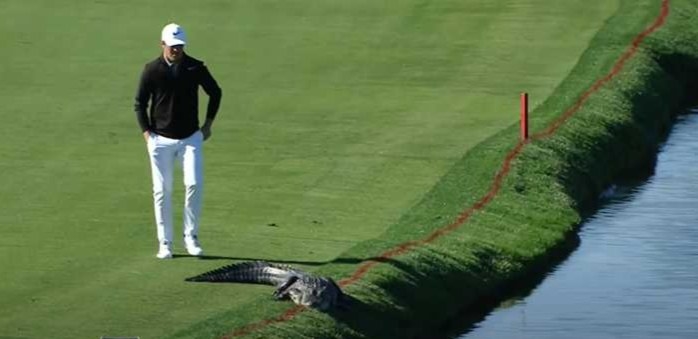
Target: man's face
(173, 53)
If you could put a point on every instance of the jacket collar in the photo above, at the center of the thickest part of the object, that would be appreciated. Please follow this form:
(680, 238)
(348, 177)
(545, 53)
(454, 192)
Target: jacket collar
(184, 60)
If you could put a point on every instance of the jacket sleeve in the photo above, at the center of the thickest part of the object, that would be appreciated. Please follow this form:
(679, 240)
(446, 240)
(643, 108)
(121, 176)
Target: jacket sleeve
(143, 95)
(213, 91)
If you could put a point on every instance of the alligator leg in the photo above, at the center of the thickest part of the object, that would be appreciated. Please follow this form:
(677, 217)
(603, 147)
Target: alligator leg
(282, 291)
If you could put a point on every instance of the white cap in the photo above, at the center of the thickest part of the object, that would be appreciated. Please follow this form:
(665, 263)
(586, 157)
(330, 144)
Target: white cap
(173, 34)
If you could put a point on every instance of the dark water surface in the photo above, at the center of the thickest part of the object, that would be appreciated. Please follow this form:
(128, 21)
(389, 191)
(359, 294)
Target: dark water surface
(635, 272)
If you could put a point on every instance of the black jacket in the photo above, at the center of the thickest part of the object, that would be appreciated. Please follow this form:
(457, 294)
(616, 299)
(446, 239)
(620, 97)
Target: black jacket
(173, 97)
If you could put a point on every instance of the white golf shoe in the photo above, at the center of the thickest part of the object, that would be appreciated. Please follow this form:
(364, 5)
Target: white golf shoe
(192, 245)
(165, 251)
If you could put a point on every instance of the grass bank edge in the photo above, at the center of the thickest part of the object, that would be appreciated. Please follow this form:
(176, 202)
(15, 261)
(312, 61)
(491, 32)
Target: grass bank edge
(533, 220)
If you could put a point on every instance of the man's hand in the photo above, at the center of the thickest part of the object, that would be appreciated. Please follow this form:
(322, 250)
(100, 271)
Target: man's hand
(146, 135)
(206, 129)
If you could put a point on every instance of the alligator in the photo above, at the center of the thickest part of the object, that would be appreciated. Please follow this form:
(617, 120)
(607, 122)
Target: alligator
(317, 292)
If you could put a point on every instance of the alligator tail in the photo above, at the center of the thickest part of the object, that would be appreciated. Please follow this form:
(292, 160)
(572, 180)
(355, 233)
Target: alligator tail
(259, 272)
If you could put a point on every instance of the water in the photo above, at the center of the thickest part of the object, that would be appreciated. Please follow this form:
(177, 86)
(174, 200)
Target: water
(635, 272)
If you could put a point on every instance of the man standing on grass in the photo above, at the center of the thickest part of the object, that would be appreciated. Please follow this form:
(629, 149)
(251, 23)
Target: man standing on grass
(171, 130)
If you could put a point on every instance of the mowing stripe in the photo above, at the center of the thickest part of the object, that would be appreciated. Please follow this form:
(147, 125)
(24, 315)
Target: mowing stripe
(494, 189)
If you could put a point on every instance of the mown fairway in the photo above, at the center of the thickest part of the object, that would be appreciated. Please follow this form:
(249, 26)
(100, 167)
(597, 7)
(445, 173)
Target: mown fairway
(337, 117)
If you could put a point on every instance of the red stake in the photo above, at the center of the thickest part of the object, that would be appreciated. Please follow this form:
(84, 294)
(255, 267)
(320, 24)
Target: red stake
(524, 116)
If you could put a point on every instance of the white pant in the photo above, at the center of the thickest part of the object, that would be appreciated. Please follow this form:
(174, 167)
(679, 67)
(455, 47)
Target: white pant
(164, 154)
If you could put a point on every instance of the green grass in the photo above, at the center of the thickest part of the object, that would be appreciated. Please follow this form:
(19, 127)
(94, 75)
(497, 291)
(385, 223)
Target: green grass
(338, 118)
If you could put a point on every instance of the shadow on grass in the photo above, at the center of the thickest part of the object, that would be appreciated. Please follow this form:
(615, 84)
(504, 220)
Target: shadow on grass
(418, 292)
(272, 260)
(369, 319)
(507, 294)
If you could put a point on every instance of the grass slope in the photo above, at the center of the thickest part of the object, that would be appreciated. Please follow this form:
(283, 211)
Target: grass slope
(338, 117)
(551, 184)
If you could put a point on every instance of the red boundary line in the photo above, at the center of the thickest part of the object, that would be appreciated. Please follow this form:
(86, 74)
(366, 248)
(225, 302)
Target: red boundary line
(494, 189)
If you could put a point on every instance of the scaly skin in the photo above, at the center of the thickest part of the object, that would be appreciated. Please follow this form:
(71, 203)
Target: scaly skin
(302, 288)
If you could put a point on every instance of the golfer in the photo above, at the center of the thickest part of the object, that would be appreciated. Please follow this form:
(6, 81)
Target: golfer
(170, 85)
